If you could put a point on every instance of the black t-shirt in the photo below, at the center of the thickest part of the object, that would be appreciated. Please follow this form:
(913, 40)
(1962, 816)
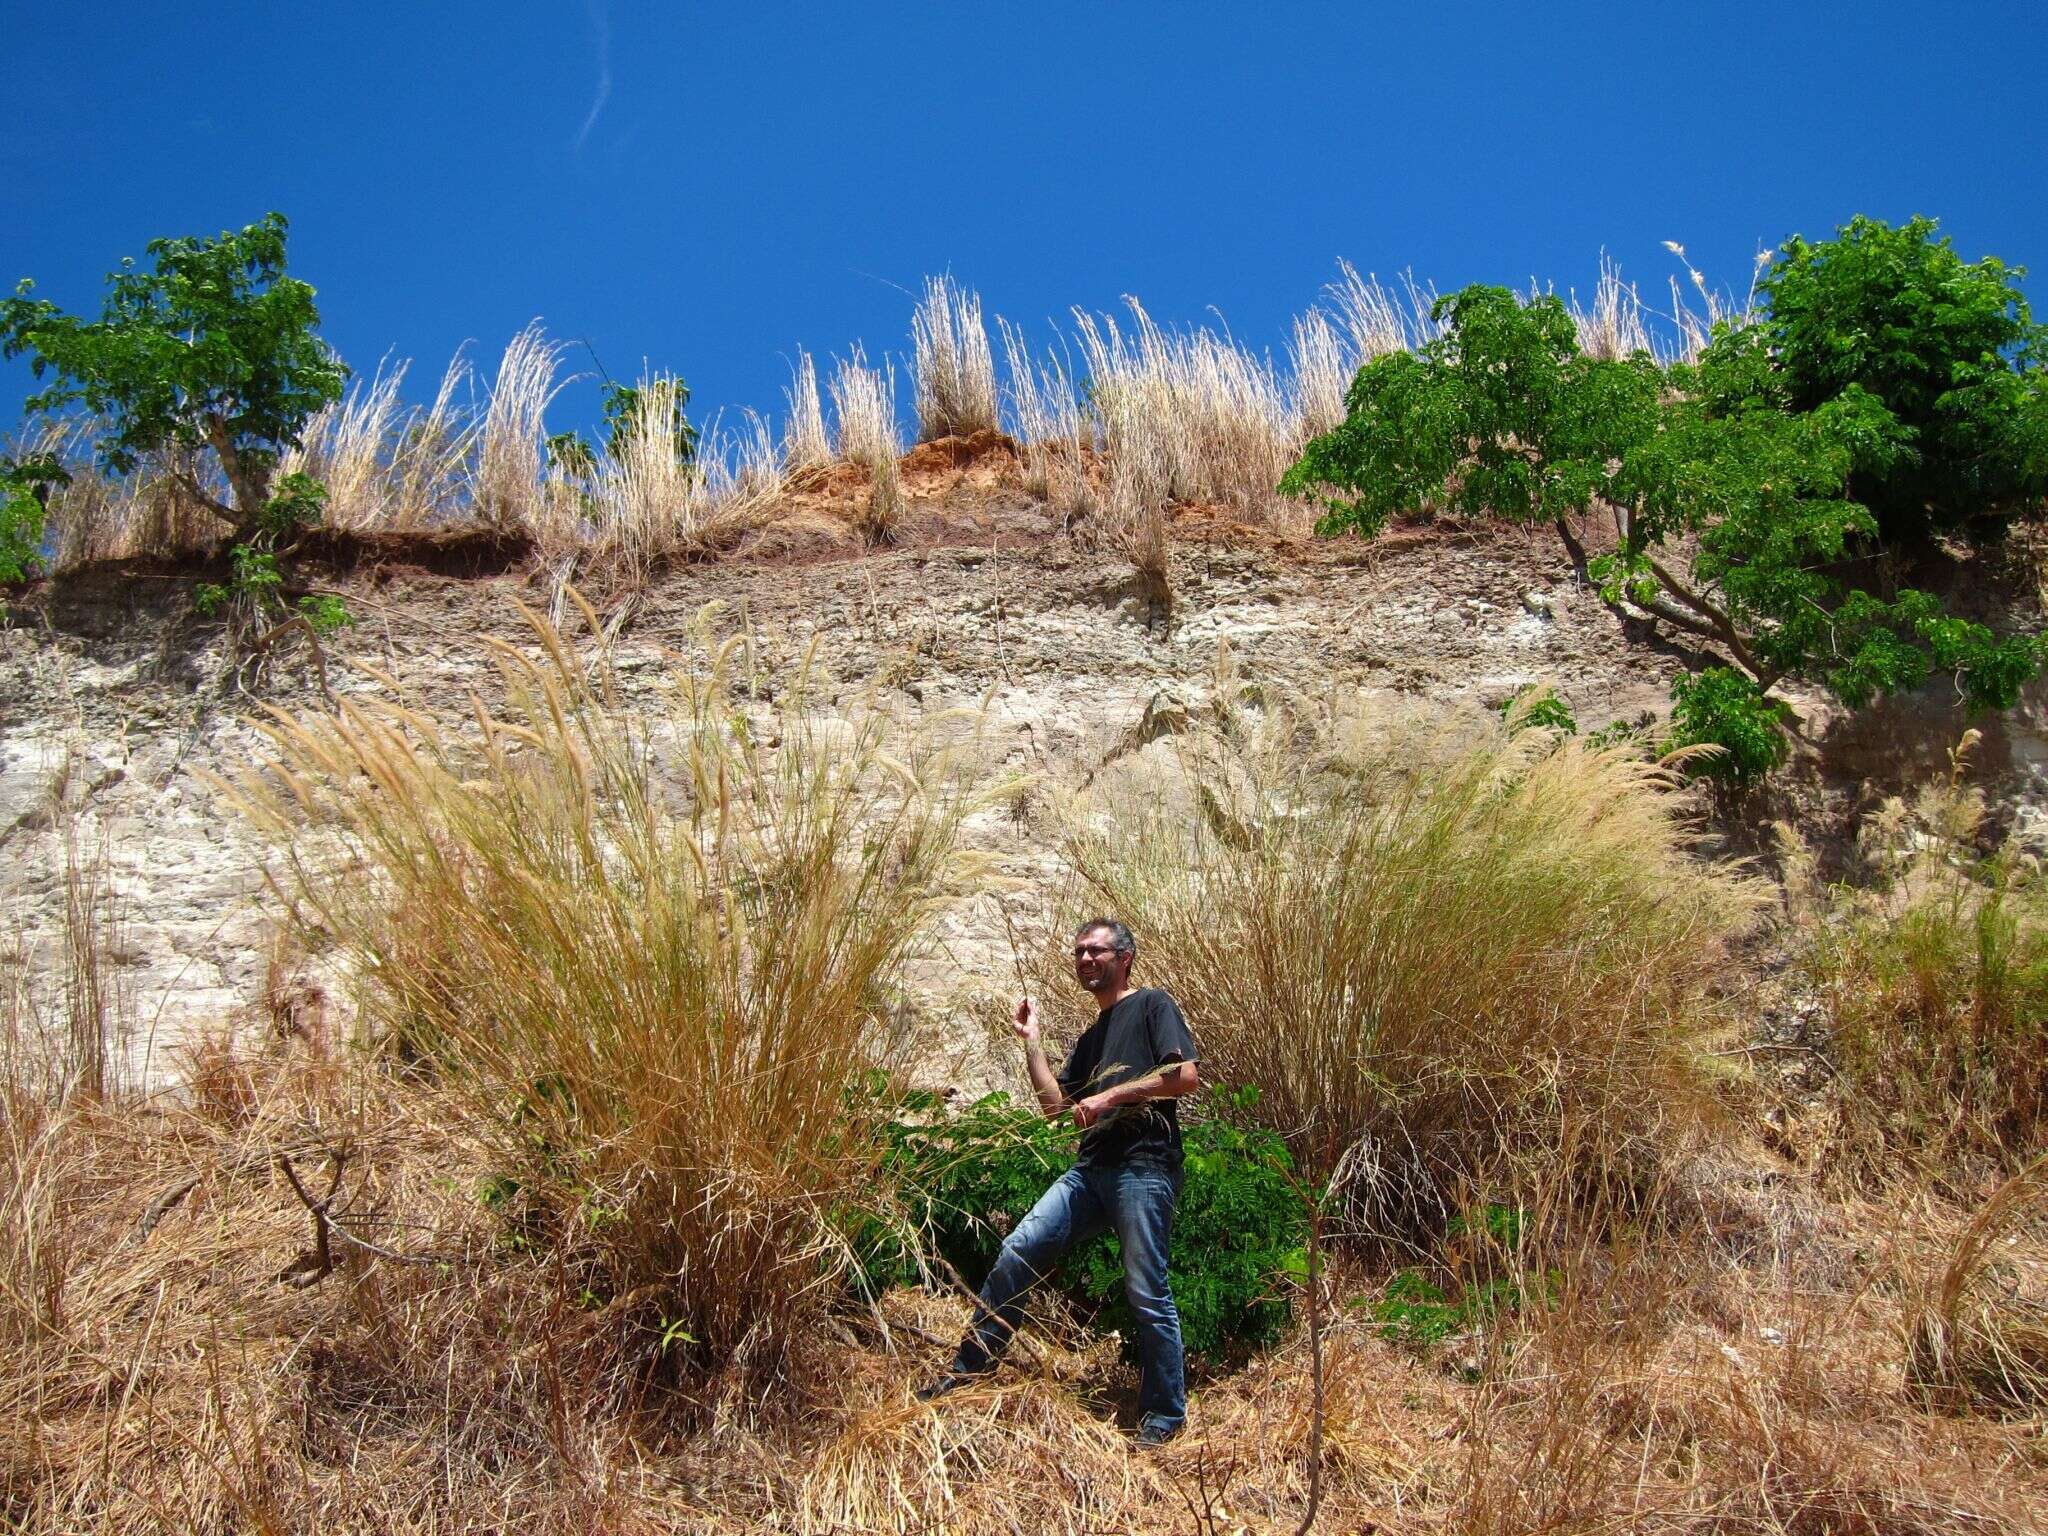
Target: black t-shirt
(1141, 1033)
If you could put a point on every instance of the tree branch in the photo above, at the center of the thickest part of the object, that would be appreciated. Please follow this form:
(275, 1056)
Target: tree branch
(314, 1267)
(1655, 608)
(304, 625)
(1723, 626)
(221, 510)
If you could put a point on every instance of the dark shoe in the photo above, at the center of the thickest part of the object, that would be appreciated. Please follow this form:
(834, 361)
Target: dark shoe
(952, 1381)
(1154, 1433)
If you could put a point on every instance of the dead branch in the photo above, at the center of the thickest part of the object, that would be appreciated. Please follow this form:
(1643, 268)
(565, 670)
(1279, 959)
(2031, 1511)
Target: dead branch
(312, 1267)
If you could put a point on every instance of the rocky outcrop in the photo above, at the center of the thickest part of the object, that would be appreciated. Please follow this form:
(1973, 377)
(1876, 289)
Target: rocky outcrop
(109, 701)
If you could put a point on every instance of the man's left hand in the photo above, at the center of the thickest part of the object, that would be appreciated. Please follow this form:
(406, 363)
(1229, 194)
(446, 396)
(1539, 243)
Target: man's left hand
(1089, 1110)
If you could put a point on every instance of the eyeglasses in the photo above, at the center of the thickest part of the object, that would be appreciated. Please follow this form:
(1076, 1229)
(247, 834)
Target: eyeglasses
(1099, 951)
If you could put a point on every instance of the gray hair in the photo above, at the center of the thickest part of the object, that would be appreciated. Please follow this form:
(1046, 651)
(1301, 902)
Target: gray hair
(1121, 939)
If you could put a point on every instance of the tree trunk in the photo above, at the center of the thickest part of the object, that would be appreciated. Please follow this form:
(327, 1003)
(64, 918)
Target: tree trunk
(251, 486)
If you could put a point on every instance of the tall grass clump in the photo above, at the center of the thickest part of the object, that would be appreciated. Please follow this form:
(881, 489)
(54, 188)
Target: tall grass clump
(1934, 986)
(1971, 1340)
(1190, 412)
(1362, 321)
(507, 488)
(805, 442)
(953, 369)
(1052, 427)
(646, 498)
(864, 411)
(648, 961)
(1456, 974)
(387, 465)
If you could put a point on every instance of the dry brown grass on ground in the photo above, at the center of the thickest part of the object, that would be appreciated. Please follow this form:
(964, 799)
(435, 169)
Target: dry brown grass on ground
(163, 1374)
(1933, 984)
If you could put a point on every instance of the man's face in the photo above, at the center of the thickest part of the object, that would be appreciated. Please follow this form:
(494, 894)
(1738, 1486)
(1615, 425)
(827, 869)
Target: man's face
(1097, 965)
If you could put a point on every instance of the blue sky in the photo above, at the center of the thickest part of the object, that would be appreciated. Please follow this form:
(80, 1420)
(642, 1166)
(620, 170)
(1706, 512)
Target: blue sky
(706, 187)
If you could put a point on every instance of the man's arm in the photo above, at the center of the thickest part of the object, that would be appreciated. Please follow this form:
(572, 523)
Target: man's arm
(1025, 1026)
(1174, 1080)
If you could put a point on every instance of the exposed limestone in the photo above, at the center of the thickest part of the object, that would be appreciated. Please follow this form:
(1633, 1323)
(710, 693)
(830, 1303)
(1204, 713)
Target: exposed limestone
(107, 704)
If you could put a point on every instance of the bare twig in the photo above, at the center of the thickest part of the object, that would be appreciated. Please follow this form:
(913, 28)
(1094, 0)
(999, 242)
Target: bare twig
(311, 1268)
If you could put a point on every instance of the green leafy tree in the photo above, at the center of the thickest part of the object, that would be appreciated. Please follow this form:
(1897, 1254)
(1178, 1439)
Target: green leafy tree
(25, 487)
(626, 407)
(1735, 492)
(1949, 347)
(211, 349)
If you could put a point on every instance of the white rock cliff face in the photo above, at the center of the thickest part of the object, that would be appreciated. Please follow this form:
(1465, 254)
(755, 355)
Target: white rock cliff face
(109, 702)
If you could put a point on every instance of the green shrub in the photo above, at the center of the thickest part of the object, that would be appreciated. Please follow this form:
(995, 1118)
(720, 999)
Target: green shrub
(1721, 708)
(25, 487)
(1534, 705)
(1415, 1310)
(1238, 1230)
(1884, 389)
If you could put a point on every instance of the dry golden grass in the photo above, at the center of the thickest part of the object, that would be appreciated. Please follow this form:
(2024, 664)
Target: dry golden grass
(387, 465)
(953, 370)
(171, 1359)
(805, 443)
(865, 434)
(1449, 967)
(1977, 1334)
(506, 487)
(1934, 988)
(1119, 424)
(650, 960)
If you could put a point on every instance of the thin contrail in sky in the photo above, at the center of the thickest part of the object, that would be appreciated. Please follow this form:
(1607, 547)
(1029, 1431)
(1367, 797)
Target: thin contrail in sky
(601, 21)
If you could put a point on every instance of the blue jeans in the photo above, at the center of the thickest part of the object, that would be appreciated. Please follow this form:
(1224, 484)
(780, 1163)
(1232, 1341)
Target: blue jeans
(1137, 1204)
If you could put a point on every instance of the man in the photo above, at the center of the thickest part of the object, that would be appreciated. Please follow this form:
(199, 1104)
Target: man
(1120, 1084)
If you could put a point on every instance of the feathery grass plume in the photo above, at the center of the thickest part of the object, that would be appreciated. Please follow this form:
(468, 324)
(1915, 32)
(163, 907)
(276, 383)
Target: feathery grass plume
(1195, 407)
(430, 459)
(345, 446)
(1451, 971)
(864, 412)
(953, 371)
(1695, 330)
(1971, 1341)
(1049, 422)
(805, 443)
(1377, 322)
(645, 496)
(1363, 321)
(1323, 370)
(1614, 328)
(652, 959)
(506, 488)
(1935, 990)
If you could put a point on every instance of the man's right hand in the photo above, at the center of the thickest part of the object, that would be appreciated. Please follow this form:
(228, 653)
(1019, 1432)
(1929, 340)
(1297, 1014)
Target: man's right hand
(1024, 1022)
